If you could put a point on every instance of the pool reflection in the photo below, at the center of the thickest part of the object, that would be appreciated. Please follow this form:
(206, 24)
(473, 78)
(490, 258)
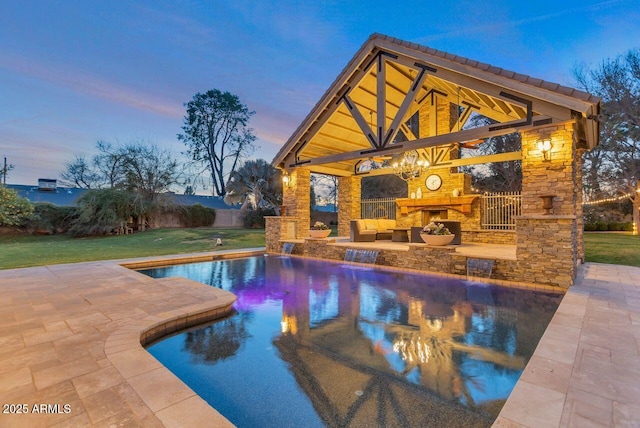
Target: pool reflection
(364, 346)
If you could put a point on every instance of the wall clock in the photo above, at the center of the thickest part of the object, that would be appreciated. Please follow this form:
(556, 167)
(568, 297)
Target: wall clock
(433, 182)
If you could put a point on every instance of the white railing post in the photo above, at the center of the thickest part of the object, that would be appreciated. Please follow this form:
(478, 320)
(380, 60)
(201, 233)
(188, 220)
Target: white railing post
(499, 210)
(378, 208)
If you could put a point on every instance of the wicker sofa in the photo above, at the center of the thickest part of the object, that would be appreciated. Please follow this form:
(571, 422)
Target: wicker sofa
(368, 230)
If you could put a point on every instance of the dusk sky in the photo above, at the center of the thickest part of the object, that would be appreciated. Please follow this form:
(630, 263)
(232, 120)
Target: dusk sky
(78, 71)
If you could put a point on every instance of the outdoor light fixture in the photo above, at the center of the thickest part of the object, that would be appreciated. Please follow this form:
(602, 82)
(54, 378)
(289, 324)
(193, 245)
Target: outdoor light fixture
(287, 180)
(545, 147)
(411, 166)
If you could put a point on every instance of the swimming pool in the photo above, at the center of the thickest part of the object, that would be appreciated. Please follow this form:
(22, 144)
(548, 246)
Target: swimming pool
(317, 343)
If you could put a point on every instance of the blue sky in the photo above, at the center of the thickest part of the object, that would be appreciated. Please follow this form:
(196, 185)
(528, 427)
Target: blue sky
(74, 72)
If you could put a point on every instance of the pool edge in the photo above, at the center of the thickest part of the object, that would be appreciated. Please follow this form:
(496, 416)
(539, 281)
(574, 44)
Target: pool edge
(125, 348)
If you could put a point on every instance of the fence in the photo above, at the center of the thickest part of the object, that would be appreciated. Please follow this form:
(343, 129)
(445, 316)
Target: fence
(498, 211)
(378, 208)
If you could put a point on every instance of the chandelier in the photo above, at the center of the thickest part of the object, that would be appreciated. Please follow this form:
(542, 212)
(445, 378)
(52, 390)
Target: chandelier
(411, 166)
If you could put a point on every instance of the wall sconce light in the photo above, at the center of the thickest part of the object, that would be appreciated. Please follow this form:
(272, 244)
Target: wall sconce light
(287, 180)
(545, 147)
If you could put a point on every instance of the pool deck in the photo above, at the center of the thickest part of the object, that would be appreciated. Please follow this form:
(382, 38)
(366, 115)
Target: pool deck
(585, 371)
(71, 335)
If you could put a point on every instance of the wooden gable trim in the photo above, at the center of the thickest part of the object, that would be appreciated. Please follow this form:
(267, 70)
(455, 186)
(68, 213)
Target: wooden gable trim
(550, 102)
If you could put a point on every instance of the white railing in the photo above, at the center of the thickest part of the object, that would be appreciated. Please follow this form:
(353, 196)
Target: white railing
(378, 208)
(498, 211)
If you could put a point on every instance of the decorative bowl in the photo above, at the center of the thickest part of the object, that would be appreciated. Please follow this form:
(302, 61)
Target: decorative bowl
(437, 240)
(319, 233)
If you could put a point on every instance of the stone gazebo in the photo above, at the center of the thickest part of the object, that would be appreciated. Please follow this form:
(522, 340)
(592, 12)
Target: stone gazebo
(396, 97)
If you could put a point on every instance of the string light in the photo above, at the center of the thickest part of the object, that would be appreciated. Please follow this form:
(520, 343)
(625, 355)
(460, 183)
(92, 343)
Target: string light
(596, 202)
(608, 200)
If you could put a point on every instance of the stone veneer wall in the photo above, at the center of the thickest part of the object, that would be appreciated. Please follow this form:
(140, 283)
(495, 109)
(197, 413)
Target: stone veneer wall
(559, 176)
(419, 257)
(275, 230)
(297, 200)
(545, 249)
(549, 247)
(507, 237)
(349, 191)
(450, 181)
(445, 117)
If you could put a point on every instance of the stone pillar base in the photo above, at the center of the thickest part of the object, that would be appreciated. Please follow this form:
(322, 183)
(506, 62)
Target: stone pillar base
(545, 249)
(276, 229)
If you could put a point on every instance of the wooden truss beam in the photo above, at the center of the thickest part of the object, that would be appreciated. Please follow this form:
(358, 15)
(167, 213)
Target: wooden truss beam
(476, 160)
(548, 102)
(487, 90)
(404, 107)
(438, 140)
(360, 120)
(381, 98)
(382, 137)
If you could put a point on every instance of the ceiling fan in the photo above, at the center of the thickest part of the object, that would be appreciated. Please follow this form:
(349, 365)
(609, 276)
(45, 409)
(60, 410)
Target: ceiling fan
(472, 144)
(379, 158)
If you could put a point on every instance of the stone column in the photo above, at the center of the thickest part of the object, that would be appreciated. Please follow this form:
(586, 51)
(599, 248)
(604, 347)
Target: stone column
(349, 194)
(297, 200)
(435, 118)
(559, 176)
(549, 245)
(276, 229)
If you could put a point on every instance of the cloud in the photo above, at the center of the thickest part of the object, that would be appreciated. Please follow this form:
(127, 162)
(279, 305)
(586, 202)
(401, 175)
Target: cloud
(492, 27)
(89, 85)
(19, 120)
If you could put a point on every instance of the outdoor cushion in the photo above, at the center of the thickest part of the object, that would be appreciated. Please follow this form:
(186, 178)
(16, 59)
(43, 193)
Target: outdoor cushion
(386, 224)
(371, 224)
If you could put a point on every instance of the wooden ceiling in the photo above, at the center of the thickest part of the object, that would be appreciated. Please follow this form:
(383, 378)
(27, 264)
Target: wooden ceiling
(388, 81)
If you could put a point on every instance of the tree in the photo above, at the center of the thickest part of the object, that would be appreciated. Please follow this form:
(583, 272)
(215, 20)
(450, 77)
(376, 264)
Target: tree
(5, 170)
(126, 181)
(255, 185)
(497, 176)
(137, 166)
(14, 209)
(614, 168)
(383, 186)
(108, 162)
(80, 173)
(147, 170)
(325, 190)
(217, 135)
(100, 211)
(313, 200)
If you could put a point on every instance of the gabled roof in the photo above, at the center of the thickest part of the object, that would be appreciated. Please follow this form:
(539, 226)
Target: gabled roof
(60, 196)
(68, 196)
(342, 127)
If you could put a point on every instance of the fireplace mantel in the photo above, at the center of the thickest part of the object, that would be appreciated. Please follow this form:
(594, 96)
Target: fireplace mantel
(458, 203)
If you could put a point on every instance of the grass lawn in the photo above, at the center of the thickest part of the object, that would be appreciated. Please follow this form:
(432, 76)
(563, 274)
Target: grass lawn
(613, 248)
(25, 251)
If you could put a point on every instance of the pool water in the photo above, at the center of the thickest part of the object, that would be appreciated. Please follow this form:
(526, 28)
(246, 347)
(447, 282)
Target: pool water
(316, 343)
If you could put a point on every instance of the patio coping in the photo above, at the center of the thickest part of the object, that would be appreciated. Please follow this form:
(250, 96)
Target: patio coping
(585, 370)
(72, 335)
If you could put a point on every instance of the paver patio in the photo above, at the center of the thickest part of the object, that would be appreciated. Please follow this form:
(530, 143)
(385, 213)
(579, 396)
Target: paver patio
(70, 335)
(585, 371)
